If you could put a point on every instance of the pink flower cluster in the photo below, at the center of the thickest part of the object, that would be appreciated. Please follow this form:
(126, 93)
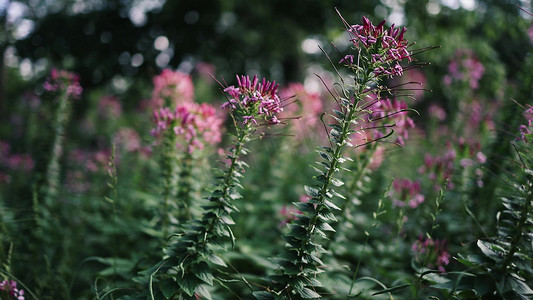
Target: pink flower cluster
(307, 107)
(193, 123)
(465, 68)
(251, 99)
(127, 139)
(439, 168)
(406, 191)
(385, 48)
(9, 290)
(64, 81)
(525, 130)
(171, 88)
(435, 252)
(13, 162)
(109, 107)
(92, 161)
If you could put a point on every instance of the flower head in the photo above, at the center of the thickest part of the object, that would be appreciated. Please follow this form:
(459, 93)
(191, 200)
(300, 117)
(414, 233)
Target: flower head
(383, 49)
(172, 88)
(194, 124)
(405, 192)
(465, 67)
(64, 81)
(433, 251)
(9, 290)
(252, 99)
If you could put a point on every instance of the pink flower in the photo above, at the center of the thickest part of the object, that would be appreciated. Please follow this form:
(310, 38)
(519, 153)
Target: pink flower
(385, 48)
(465, 67)
(128, 139)
(194, 124)
(172, 88)
(64, 81)
(307, 107)
(109, 107)
(9, 290)
(252, 99)
(405, 192)
(434, 252)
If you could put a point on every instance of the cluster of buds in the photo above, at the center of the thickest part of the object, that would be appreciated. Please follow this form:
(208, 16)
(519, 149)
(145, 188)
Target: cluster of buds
(406, 191)
(64, 81)
(193, 123)
(251, 99)
(434, 252)
(384, 49)
(9, 290)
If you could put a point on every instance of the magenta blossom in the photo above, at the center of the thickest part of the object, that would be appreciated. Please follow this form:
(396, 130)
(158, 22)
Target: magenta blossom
(193, 124)
(252, 99)
(171, 88)
(64, 81)
(384, 48)
(307, 107)
(9, 290)
(407, 192)
(465, 67)
(434, 252)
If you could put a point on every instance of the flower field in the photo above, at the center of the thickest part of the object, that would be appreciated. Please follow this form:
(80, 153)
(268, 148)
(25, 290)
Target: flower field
(369, 160)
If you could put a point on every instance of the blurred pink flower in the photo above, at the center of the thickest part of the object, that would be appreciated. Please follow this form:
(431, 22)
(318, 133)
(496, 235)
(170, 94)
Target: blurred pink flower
(109, 107)
(195, 124)
(64, 80)
(407, 192)
(437, 112)
(171, 88)
(128, 139)
(206, 71)
(432, 251)
(307, 107)
(465, 67)
(9, 290)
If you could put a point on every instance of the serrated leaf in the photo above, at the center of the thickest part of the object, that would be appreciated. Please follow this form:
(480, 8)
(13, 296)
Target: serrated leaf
(203, 272)
(308, 294)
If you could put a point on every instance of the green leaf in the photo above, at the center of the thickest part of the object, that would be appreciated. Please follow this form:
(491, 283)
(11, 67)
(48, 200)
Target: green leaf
(203, 292)
(313, 192)
(216, 260)
(308, 294)
(262, 295)
(487, 249)
(203, 272)
(331, 205)
(169, 287)
(325, 227)
(324, 155)
(336, 182)
(188, 283)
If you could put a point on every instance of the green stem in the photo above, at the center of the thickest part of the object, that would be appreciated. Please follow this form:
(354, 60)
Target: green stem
(53, 169)
(243, 135)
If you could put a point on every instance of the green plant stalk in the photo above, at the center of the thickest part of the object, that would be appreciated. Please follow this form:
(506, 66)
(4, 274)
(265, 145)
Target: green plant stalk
(243, 135)
(184, 188)
(524, 213)
(191, 251)
(53, 169)
(350, 112)
(169, 179)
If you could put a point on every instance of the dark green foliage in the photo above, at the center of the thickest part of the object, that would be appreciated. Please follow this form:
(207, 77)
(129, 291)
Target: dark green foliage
(502, 265)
